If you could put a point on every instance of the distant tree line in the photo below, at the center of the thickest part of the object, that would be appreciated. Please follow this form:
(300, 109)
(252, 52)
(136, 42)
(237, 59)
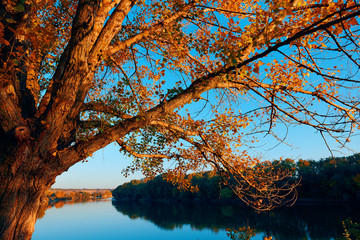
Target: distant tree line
(59, 195)
(327, 179)
(337, 178)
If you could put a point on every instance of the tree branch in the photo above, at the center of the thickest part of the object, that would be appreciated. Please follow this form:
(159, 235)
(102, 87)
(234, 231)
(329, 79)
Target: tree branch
(147, 32)
(112, 27)
(129, 150)
(100, 107)
(71, 155)
(174, 127)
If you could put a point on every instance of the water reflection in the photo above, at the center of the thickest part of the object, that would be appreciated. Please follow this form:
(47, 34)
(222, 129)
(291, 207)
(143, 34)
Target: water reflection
(295, 223)
(60, 204)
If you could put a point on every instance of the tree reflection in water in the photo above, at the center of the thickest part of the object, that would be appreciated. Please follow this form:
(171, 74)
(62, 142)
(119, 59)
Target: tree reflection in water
(295, 223)
(60, 204)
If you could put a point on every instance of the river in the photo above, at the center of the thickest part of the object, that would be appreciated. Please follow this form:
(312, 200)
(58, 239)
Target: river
(107, 220)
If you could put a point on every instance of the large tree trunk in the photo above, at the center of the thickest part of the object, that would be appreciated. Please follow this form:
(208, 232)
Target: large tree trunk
(22, 185)
(19, 205)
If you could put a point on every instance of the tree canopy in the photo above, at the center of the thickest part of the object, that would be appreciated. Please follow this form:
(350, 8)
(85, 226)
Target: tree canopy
(79, 75)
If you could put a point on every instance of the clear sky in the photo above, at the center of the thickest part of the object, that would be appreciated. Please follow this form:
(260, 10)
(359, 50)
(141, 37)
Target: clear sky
(103, 169)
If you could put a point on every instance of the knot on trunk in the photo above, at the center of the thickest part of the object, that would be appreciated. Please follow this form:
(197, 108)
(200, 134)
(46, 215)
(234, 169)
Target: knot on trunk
(22, 133)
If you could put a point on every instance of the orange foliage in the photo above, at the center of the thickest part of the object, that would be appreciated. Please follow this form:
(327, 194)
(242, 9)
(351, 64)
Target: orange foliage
(170, 80)
(59, 194)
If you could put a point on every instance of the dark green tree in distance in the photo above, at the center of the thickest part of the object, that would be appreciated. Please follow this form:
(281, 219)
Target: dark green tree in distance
(327, 179)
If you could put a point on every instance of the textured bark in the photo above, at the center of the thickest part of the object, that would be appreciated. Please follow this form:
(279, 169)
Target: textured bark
(25, 177)
(29, 140)
(19, 203)
(21, 191)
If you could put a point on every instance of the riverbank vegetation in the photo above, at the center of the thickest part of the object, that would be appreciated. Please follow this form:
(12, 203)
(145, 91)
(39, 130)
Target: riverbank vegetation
(74, 194)
(330, 179)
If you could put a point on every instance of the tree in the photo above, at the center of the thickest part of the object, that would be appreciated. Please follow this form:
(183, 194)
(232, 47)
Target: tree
(59, 194)
(79, 75)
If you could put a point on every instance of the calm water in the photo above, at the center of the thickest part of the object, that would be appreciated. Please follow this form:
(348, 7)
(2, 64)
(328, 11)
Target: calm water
(160, 221)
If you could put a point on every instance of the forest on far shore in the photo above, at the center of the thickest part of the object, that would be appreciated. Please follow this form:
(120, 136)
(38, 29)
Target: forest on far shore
(327, 179)
(54, 195)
